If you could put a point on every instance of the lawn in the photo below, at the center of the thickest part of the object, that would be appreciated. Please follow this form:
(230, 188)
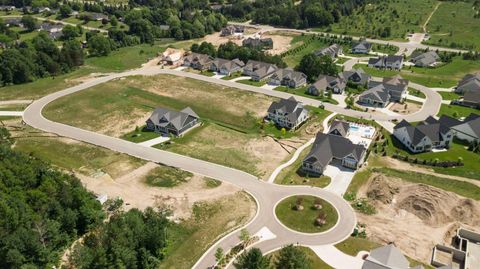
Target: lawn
(140, 135)
(304, 220)
(353, 245)
(296, 52)
(292, 175)
(232, 76)
(444, 76)
(454, 25)
(456, 111)
(449, 95)
(315, 261)
(167, 177)
(192, 237)
(416, 93)
(399, 16)
(252, 82)
(302, 91)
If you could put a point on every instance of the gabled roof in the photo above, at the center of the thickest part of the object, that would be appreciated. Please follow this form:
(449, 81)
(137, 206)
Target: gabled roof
(426, 59)
(449, 121)
(378, 93)
(387, 256)
(291, 107)
(340, 126)
(362, 45)
(331, 51)
(198, 57)
(393, 59)
(324, 81)
(289, 74)
(261, 69)
(472, 97)
(375, 61)
(163, 117)
(471, 82)
(395, 80)
(431, 128)
(350, 74)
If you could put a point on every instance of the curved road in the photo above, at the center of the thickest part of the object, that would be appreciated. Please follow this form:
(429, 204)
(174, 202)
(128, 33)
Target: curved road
(266, 195)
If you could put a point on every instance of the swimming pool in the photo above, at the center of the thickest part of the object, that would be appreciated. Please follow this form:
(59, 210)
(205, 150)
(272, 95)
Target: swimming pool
(353, 128)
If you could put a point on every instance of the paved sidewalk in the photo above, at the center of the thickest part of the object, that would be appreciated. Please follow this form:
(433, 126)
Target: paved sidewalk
(15, 102)
(337, 259)
(415, 98)
(11, 113)
(155, 141)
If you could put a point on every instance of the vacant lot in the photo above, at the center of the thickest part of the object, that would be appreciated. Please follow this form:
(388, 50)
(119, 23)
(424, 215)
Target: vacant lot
(456, 111)
(296, 52)
(454, 25)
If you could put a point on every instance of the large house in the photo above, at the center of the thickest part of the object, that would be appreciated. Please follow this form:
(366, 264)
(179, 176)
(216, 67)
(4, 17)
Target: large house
(287, 113)
(172, 57)
(470, 82)
(259, 70)
(471, 99)
(231, 30)
(226, 67)
(198, 61)
(333, 51)
(356, 76)
(166, 122)
(258, 43)
(362, 47)
(426, 59)
(288, 77)
(387, 257)
(380, 94)
(468, 129)
(324, 83)
(333, 146)
(425, 136)
(389, 62)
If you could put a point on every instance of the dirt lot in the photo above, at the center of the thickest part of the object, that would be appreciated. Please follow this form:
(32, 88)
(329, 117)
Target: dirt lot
(415, 216)
(407, 108)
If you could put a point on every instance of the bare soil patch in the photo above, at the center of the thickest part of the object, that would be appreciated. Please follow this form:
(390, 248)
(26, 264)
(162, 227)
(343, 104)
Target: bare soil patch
(281, 42)
(415, 216)
(406, 108)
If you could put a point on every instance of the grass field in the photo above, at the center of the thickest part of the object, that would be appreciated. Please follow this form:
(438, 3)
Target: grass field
(400, 16)
(302, 92)
(449, 95)
(252, 82)
(444, 76)
(167, 177)
(140, 135)
(191, 238)
(304, 220)
(315, 261)
(293, 57)
(454, 25)
(456, 111)
(353, 245)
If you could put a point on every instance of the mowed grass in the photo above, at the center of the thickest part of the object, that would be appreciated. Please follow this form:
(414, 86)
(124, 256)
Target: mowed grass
(210, 221)
(449, 95)
(252, 82)
(293, 57)
(401, 16)
(315, 261)
(444, 76)
(456, 111)
(167, 177)
(454, 25)
(353, 245)
(304, 220)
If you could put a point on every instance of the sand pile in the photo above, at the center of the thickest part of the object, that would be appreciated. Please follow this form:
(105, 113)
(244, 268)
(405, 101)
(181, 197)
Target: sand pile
(381, 189)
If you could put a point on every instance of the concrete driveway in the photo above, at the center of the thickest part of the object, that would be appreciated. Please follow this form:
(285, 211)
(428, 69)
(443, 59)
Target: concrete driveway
(341, 178)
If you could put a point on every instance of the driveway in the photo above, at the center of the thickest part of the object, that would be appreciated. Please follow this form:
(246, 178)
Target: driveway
(340, 176)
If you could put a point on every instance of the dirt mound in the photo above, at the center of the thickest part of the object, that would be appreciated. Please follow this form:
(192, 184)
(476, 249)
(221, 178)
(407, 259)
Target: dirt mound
(382, 189)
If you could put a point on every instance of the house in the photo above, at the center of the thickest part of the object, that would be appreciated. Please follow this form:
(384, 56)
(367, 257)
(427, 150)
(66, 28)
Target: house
(470, 82)
(10, 22)
(49, 27)
(226, 67)
(324, 83)
(463, 253)
(231, 30)
(287, 113)
(356, 76)
(380, 94)
(471, 99)
(387, 257)
(7, 8)
(166, 122)
(425, 136)
(340, 128)
(362, 47)
(429, 58)
(333, 51)
(467, 130)
(172, 57)
(197, 61)
(390, 62)
(259, 70)
(332, 147)
(94, 16)
(288, 77)
(258, 43)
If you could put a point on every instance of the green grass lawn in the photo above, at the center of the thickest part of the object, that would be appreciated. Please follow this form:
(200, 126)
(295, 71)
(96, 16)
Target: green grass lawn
(295, 53)
(252, 82)
(454, 25)
(401, 16)
(456, 111)
(140, 135)
(353, 245)
(304, 220)
(416, 93)
(315, 261)
(443, 76)
(341, 60)
(292, 175)
(167, 177)
(302, 92)
(232, 76)
(449, 95)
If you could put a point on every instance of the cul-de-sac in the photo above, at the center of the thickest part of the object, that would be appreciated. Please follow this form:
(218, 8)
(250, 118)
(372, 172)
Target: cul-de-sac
(239, 134)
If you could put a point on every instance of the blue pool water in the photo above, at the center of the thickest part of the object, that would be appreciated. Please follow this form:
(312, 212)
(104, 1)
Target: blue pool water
(354, 128)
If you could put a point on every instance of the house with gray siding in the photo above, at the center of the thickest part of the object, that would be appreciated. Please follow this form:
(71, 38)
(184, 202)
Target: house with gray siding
(226, 67)
(426, 59)
(387, 257)
(287, 113)
(333, 51)
(356, 76)
(259, 70)
(288, 77)
(387, 62)
(166, 121)
(198, 61)
(380, 94)
(258, 43)
(470, 82)
(467, 129)
(334, 84)
(361, 47)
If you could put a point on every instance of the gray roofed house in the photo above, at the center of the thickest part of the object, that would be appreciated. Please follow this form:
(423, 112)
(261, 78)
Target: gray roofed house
(471, 99)
(50, 27)
(259, 70)
(287, 113)
(95, 16)
(426, 59)
(386, 257)
(379, 94)
(232, 29)
(288, 77)
(390, 62)
(425, 136)
(258, 43)
(324, 83)
(467, 130)
(197, 61)
(340, 128)
(330, 147)
(333, 51)
(9, 22)
(166, 122)
(470, 82)
(361, 47)
(226, 67)
(356, 76)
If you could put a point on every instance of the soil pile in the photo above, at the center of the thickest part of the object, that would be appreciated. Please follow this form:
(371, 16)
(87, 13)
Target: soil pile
(382, 189)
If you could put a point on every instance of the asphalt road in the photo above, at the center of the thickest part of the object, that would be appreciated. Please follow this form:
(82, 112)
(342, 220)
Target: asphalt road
(267, 195)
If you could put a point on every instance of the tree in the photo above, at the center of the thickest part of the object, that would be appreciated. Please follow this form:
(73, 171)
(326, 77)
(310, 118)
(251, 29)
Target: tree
(65, 11)
(219, 255)
(244, 235)
(99, 45)
(29, 23)
(290, 257)
(70, 32)
(252, 259)
(312, 66)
